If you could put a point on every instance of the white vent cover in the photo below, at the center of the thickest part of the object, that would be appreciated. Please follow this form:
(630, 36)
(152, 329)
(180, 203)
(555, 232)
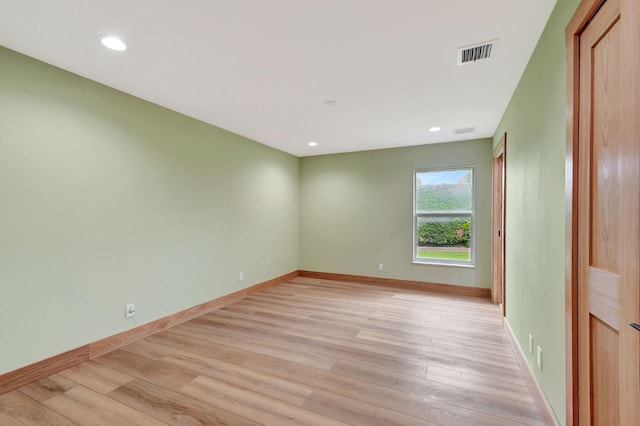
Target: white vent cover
(476, 52)
(464, 130)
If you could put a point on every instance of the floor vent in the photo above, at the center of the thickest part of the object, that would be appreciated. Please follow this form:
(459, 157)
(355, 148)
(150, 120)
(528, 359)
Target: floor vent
(476, 52)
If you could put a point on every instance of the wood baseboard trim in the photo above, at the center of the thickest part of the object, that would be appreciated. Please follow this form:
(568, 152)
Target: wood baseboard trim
(534, 387)
(33, 372)
(130, 336)
(456, 290)
(37, 371)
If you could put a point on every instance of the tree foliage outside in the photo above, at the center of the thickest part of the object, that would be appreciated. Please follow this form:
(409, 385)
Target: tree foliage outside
(444, 197)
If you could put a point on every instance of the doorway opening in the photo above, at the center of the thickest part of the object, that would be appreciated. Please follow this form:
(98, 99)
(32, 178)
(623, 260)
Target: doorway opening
(499, 221)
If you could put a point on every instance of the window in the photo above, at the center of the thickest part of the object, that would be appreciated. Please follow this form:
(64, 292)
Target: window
(443, 216)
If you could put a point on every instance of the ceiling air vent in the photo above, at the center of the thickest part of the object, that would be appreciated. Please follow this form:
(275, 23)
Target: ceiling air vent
(464, 130)
(476, 52)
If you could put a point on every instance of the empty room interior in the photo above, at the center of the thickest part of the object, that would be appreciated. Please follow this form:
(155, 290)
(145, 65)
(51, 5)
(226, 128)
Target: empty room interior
(298, 212)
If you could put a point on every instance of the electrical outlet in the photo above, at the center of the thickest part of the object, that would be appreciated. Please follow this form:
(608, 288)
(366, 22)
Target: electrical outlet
(380, 267)
(129, 310)
(530, 344)
(241, 276)
(539, 357)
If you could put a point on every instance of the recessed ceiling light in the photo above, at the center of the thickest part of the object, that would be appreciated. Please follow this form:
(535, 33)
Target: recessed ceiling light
(313, 143)
(113, 43)
(330, 103)
(435, 129)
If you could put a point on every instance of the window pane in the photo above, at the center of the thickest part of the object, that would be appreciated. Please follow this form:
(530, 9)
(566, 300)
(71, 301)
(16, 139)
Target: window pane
(444, 238)
(444, 190)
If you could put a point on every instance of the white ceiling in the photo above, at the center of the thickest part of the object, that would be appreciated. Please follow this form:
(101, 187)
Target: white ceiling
(264, 68)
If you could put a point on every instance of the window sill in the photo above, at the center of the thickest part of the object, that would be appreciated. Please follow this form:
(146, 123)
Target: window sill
(457, 265)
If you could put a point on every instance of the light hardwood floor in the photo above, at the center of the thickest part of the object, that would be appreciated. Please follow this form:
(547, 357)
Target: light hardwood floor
(307, 352)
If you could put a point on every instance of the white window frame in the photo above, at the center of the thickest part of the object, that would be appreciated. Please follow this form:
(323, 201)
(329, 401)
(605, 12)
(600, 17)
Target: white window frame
(452, 213)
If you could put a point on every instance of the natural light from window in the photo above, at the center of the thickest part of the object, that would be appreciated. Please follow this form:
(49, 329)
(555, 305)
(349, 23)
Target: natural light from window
(443, 216)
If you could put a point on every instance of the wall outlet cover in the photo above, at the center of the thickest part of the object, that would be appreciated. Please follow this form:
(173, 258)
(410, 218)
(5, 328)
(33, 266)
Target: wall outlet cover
(129, 310)
(539, 357)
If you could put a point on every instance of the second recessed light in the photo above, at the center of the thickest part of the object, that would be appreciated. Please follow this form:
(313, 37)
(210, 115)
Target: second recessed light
(113, 43)
(312, 143)
(435, 129)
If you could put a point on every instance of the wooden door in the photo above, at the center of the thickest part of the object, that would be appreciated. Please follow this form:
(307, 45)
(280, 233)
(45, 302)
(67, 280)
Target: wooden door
(608, 214)
(498, 228)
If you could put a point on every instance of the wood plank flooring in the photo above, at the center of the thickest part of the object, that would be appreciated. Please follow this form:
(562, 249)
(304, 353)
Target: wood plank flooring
(307, 352)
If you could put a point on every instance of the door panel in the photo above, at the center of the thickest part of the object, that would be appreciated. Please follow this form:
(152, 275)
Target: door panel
(608, 217)
(605, 186)
(605, 402)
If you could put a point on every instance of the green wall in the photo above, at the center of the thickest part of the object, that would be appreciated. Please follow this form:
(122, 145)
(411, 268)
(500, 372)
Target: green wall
(106, 199)
(535, 122)
(356, 212)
